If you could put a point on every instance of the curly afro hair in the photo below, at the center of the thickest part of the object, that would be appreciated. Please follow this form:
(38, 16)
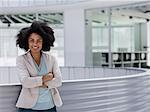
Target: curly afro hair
(41, 29)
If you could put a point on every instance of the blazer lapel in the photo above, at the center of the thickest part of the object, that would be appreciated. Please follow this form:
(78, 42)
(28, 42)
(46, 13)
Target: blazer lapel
(30, 64)
(46, 59)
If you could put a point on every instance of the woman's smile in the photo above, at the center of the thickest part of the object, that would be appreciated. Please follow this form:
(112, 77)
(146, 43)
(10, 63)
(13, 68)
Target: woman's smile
(35, 42)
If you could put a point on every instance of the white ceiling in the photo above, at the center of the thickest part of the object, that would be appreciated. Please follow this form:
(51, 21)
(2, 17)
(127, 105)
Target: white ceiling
(120, 13)
(33, 6)
(124, 15)
(25, 3)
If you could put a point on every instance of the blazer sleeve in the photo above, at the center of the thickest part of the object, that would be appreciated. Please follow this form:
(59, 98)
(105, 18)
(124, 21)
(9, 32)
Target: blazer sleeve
(57, 80)
(24, 76)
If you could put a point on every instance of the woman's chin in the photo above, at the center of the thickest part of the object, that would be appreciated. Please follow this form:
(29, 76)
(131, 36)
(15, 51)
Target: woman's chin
(35, 51)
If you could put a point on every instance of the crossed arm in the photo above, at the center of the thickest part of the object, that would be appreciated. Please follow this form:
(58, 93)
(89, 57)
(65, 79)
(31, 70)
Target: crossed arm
(50, 80)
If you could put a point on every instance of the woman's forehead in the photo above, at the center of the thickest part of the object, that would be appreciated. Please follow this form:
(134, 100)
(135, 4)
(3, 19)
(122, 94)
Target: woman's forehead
(35, 36)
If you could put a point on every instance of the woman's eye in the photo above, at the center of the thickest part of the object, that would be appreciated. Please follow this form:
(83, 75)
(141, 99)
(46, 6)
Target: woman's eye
(30, 40)
(40, 41)
(36, 41)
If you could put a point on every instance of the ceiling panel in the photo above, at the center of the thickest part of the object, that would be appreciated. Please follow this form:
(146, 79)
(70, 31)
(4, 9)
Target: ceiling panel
(53, 18)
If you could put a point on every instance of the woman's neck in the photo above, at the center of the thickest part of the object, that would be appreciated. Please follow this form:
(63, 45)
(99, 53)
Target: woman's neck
(36, 57)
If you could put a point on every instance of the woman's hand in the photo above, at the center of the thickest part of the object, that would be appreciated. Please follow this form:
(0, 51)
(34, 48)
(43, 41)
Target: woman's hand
(47, 77)
(44, 85)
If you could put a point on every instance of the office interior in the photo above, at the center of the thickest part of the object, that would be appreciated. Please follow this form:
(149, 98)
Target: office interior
(109, 36)
(102, 47)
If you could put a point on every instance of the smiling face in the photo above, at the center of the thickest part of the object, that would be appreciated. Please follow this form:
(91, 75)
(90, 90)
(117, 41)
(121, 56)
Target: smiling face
(35, 42)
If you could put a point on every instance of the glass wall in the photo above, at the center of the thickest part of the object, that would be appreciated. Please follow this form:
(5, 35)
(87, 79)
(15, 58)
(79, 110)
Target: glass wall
(97, 35)
(119, 35)
(129, 35)
(7, 45)
(58, 49)
(11, 24)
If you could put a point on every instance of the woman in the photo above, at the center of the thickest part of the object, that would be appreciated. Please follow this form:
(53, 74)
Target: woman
(38, 72)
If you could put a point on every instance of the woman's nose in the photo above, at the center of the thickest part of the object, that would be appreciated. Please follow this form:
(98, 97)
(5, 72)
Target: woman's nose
(35, 43)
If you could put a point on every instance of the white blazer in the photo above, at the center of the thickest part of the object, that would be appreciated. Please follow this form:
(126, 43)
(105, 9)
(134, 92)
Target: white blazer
(31, 82)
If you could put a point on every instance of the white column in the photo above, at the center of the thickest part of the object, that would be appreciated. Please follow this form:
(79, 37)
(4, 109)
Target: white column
(88, 40)
(148, 43)
(74, 46)
(143, 36)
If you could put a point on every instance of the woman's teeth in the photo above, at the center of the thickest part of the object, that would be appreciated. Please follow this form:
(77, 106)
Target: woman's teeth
(35, 47)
